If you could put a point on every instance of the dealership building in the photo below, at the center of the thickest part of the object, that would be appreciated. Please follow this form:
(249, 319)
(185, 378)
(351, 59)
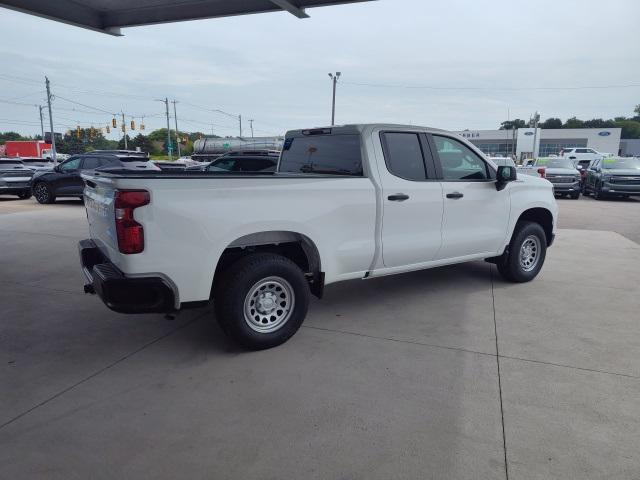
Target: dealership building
(542, 142)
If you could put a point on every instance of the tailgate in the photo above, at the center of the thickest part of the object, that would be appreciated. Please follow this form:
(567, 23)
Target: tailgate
(99, 203)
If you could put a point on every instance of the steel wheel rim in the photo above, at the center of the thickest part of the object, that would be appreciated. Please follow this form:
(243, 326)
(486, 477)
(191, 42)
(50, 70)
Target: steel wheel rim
(529, 253)
(41, 192)
(269, 304)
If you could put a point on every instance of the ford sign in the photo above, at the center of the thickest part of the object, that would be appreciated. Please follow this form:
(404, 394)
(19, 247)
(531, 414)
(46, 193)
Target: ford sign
(604, 134)
(528, 133)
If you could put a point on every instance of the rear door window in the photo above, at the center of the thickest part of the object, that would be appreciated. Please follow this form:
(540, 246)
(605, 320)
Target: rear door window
(404, 155)
(322, 154)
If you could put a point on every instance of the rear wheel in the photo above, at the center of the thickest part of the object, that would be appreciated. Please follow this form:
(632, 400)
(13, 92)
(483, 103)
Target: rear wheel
(526, 253)
(261, 300)
(43, 193)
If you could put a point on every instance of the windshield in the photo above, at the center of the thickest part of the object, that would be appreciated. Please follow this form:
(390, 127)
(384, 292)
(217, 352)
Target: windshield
(559, 163)
(621, 163)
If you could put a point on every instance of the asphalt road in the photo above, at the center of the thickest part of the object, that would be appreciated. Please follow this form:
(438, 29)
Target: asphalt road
(446, 374)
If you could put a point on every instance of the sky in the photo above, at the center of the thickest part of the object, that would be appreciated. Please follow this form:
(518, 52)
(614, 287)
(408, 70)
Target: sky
(459, 64)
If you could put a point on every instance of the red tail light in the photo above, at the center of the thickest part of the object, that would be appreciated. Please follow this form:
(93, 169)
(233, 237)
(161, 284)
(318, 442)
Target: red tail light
(130, 233)
(541, 172)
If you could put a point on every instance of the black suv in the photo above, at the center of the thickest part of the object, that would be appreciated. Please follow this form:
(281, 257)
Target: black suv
(246, 161)
(64, 180)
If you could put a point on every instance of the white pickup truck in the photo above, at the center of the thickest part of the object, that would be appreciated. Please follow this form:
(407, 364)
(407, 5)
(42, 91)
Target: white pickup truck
(347, 202)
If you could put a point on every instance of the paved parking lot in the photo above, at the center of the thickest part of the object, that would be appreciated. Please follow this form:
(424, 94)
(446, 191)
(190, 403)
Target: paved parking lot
(435, 374)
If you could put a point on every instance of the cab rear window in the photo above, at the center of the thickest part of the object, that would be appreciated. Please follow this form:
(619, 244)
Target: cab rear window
(322, 154)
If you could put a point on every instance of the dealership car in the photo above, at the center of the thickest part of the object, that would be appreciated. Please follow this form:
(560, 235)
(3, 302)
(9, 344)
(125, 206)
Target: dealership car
(64, 180)
(613, 176)
(563, 175)
(347, 202)
(15, 178)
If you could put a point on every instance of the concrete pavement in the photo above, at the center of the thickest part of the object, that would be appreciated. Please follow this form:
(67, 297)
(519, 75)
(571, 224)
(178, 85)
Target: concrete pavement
(395, 377)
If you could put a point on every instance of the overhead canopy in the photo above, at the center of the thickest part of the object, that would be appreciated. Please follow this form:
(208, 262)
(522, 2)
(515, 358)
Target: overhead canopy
(108, 16)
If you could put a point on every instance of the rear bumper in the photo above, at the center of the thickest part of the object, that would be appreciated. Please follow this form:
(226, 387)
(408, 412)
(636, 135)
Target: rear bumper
(121, 293)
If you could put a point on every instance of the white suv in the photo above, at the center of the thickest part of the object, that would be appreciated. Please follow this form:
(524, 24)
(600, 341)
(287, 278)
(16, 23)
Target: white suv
(582, 154)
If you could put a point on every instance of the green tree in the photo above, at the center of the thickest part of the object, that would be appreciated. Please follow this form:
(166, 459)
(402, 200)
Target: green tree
(512, 124)
(10, 136)
(159, 135)
(599, 123)
(129, 144)
(551, 123)
(88, 140)
(630, 128)
(573, 122)
(144, 143)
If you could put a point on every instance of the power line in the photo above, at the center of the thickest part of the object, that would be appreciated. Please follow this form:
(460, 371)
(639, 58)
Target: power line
(432, 87)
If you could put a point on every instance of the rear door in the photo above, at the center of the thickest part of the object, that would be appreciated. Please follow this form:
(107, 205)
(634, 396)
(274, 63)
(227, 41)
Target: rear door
(475, 214)
(412, 200)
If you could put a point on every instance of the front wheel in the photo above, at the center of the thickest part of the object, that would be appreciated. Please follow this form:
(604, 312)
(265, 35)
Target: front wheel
(43, 193)
(261, 300)
(526, 254)
(597, 193)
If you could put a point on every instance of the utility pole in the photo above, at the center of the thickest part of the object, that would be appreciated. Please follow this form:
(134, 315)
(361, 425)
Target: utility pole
(334, 79)
(251, 125)
(124, 132)
(169, 149)
(175, 117)
(40, 107)
(240, 120)
(53, 137)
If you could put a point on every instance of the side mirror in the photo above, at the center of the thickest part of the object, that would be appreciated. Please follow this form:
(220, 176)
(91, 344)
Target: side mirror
(505, 175)
(56, 168)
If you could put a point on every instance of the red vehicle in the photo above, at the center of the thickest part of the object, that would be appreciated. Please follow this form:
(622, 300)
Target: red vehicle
(26, 148)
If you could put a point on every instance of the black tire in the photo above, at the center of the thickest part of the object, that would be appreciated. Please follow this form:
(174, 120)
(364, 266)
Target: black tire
(239, 286)
(43, 193)
(575, 195)
(597, 193)
(510, 265)
(24, 195)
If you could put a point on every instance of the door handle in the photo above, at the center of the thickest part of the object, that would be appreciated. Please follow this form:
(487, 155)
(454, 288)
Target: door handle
(455, 195)
(398, 197)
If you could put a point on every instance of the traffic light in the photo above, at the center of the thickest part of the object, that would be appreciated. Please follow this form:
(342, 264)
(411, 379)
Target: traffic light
(108, 129)
(142, 125)
(78, 131)
(133, 125)
(114, 123)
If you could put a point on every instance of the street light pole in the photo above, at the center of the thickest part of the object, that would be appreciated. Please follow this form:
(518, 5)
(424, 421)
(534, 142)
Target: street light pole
(334, 79)
(240, 120)
(251, 125)
(53, 137)
(175, 117)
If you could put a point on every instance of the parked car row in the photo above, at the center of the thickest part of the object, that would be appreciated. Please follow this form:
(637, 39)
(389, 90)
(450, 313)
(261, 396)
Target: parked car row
(604, 176)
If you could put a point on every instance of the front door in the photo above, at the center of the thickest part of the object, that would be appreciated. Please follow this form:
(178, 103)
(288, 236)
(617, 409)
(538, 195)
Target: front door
(411, 200)
(476, 214)
(68, 181)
